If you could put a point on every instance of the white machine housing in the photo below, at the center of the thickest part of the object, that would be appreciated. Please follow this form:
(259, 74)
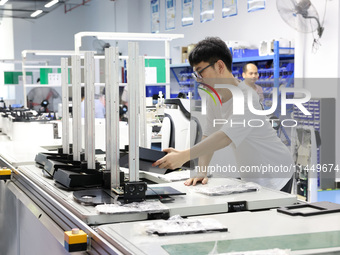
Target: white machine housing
(305, 153)
(179, 131)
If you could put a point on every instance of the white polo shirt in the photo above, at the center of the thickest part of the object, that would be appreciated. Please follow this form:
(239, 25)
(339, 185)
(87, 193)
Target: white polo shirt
(260, 155)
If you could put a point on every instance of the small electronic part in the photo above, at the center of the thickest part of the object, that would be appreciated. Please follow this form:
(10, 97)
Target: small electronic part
(134, 191)
(75, 240)
(5, 174)
(118, 190)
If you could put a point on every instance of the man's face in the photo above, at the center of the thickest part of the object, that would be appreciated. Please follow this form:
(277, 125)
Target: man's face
(212, 73)
(205, 70)
(251, 75)
(206, 73)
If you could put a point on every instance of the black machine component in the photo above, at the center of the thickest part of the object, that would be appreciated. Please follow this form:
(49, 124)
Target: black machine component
(162, 192)
(2, 104)
(68, 173)
(51, 162)
(149, 156)
(189, 230)
(74, 175)
(159, 215)
(310, 209)
(107, 178)
(134, 191)
(122, 112)
(94, 196)
(82, 178)
(105, 196)
(26, 115)
(237, 206)
(156, 128)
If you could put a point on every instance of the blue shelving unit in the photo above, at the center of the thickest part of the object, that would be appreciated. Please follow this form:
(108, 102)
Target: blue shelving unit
(276, 57)
(271, 78)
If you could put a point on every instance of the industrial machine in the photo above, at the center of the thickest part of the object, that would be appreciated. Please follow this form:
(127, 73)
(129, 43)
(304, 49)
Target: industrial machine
(39, 127)
(305, 141)
(75, 189)
(179, 130)
(237, 233)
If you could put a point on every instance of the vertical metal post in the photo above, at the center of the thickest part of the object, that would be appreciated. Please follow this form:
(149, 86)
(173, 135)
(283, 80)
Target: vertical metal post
(65, 111)
(76, 108)
(24, 79)
(112, 114)
(90, 145)
(276, 73)
(167, 69)
(142, 108)
(132, 71)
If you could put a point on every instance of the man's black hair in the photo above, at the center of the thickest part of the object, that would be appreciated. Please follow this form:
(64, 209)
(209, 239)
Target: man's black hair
(210, 50)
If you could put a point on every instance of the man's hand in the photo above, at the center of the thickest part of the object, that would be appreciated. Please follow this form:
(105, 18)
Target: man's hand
(174, 159)
(193, 181)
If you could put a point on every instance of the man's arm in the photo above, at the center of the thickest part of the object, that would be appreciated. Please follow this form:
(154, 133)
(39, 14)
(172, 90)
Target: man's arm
(201, 173)
(175, 159)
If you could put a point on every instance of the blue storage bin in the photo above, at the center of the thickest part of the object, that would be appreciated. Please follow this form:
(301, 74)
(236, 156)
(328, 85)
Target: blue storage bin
(237, 53)
(242, 53)
(251, 52)
(290, 67)
(154, 90)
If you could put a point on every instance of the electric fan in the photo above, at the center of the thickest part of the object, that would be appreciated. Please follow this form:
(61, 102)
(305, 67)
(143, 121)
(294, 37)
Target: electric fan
(300, 15)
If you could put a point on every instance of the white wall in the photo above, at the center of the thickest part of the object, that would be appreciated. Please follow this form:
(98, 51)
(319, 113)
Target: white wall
(6, 52)
(6, 42)
(320, 69)
(314, 61)
(56, 31)
(252, 27)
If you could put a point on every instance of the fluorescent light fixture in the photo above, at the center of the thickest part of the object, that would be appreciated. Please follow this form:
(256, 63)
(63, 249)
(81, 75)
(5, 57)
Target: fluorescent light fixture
(50, 4)
(2, 2)
(56, 53)
(36, 13)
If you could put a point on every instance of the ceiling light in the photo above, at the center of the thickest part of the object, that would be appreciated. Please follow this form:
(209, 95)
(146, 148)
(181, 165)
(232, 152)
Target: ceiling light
(36, 13)
(2, 2)
(50, 4)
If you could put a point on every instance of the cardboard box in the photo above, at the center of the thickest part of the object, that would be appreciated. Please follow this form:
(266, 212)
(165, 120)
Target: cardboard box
(184, 54)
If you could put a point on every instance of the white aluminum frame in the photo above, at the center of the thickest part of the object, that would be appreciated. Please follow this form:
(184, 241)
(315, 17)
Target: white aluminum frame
(24, 60)
(166, 38)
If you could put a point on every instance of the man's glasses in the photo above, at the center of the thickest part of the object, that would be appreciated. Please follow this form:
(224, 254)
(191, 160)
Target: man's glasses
(198, 74)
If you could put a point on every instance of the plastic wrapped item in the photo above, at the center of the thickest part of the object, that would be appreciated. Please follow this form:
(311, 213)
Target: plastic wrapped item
(228, 189)
(176, 176)
(145, 206)
(176, 225)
